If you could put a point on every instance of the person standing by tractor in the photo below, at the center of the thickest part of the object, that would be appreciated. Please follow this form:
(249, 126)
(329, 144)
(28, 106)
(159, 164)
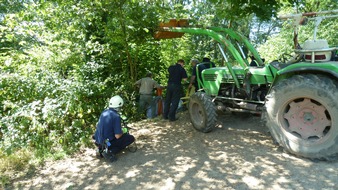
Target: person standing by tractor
(253, 62)
(109, 135)
(177, 73)
(210, 63)
(147, 85)
(195, 69)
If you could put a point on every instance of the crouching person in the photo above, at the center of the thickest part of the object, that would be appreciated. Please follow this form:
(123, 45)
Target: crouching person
(109, 136)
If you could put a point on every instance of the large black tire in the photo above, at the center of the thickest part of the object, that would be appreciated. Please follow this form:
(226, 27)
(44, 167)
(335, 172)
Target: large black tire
(202, 112)
(302, 115)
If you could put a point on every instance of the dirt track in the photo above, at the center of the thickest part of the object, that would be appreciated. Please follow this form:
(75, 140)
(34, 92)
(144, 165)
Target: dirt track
(238, 154)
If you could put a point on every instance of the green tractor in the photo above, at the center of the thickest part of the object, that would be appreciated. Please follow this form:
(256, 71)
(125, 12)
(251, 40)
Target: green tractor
(298, 98)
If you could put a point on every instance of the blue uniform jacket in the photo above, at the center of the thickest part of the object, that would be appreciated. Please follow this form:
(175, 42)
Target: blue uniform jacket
(109, 124)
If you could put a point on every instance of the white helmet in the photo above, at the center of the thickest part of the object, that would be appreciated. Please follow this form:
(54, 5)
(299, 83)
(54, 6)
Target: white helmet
(116, 102)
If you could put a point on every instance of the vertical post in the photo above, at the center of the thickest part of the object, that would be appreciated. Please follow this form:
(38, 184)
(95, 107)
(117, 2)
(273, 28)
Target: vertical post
(318, 21)
(160, 102)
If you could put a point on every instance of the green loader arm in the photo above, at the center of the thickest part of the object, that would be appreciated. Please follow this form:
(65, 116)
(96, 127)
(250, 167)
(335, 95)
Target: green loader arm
(240, 38)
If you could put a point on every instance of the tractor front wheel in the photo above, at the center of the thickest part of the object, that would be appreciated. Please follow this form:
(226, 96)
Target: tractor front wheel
(301, 113)
(202, 112)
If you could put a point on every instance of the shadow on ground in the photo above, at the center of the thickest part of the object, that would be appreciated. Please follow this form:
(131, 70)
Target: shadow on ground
(238, 154)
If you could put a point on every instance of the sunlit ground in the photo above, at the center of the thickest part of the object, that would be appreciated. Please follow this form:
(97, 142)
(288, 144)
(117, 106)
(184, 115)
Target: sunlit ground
(238, 154)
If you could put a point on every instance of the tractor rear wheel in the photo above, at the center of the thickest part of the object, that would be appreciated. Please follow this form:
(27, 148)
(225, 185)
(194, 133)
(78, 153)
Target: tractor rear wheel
(301, 113)
(202, 112)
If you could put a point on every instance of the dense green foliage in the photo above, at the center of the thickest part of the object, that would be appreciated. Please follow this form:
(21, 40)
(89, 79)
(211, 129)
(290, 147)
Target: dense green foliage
(60, 61)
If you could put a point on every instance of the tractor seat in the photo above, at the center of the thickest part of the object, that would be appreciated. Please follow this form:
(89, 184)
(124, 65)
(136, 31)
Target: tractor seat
(316, 51)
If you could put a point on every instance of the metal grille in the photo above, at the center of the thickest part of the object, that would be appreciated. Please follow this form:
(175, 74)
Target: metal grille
(210, 77)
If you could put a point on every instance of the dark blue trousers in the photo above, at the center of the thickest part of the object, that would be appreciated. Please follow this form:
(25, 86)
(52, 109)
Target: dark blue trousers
(119, 144)
(172, 99)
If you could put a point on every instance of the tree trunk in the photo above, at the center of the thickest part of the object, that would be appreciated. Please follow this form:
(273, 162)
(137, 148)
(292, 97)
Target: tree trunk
(131, 66)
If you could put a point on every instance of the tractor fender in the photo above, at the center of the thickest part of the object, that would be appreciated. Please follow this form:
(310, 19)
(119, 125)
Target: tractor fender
(328, 69)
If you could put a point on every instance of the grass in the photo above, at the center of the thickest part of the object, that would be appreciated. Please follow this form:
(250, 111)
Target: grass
(14, 165)
(22, 163)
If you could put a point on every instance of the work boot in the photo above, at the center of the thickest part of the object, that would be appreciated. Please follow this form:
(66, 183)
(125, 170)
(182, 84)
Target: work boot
(109, 156)
(112, 158)
(175, 119)
(99, 153)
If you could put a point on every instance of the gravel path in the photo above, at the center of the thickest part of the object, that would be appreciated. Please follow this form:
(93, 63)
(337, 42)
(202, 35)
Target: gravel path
(238, 154)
